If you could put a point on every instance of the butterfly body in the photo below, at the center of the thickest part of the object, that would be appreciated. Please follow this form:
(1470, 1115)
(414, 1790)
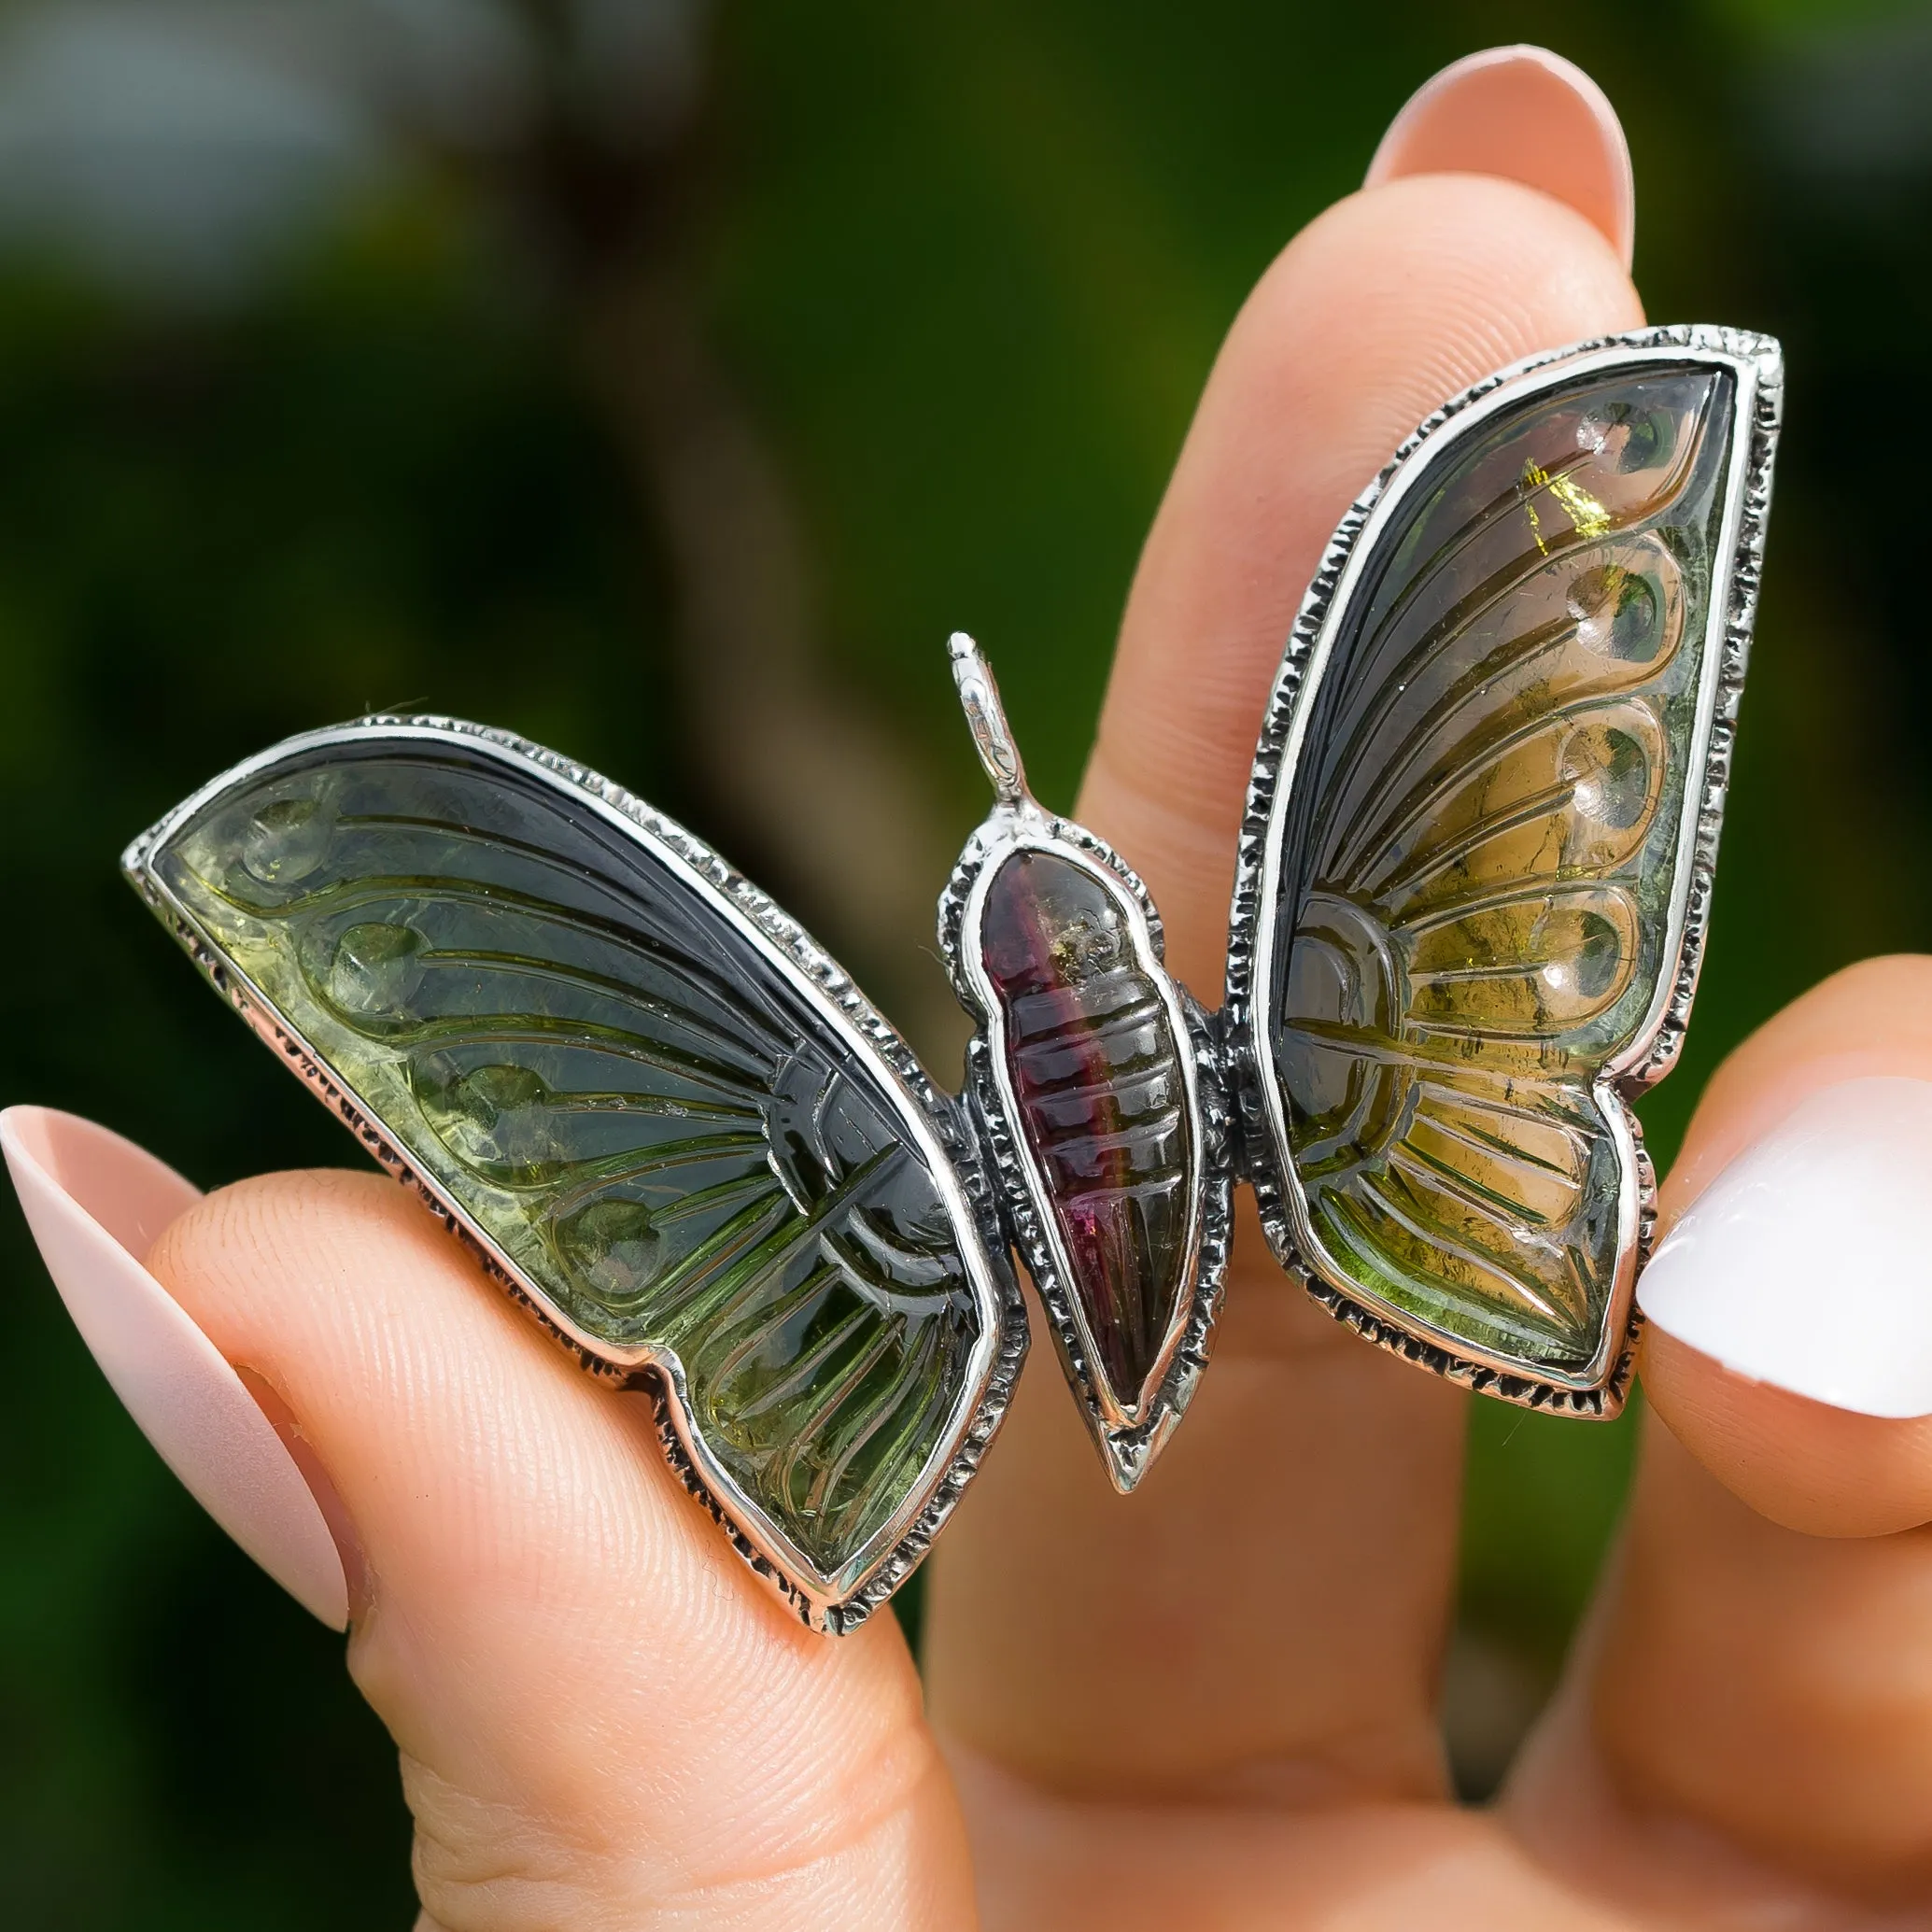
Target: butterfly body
(1095, 1059)
(1101, 1099)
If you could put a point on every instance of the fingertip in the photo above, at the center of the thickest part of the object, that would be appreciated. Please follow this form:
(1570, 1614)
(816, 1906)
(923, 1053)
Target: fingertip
(1789, 1339)
(96, 1203)
(1805, 1464)
(1872, 1020)
(1523, 114)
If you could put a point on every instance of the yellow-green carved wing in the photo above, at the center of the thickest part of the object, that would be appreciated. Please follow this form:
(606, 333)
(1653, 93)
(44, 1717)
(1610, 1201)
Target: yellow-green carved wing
(649, 1104)
(1486, 850)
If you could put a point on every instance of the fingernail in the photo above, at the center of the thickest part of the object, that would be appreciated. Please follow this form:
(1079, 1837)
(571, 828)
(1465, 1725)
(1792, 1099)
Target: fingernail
(96, 1203)
(1527, 115)
(1806, 1264)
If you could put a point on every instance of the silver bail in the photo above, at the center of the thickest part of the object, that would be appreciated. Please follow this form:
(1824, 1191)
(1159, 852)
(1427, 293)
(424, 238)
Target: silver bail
(986, 717)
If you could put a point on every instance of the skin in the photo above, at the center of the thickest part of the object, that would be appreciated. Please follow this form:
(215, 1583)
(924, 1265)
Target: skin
(1211, 1706)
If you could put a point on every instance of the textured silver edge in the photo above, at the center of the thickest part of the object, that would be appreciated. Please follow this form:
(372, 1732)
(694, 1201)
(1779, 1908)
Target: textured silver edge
(832, 1604)
(1757, 361)
(1129, 1439)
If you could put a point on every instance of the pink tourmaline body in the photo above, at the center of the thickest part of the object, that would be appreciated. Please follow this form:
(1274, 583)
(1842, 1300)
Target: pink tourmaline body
(1095, 1066)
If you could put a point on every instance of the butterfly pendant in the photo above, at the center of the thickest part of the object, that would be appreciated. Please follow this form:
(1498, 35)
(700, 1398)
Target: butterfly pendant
(1473, 879)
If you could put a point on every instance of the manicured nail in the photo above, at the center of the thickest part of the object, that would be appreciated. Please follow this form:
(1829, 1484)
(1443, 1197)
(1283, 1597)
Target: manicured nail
(1806, 1262)
(1527, 115)
(95, 1204)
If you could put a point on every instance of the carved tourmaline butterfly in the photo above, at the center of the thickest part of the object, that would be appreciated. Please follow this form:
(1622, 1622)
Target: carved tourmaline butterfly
(1473, 879)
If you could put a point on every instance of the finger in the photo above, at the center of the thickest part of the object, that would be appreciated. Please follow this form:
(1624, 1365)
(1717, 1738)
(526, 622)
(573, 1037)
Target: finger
(1264, 1617)
(603, 1718)
(1790, 1303)
(1390, 303)
(1523, 114)
(1762, 1668)
(95, 1204)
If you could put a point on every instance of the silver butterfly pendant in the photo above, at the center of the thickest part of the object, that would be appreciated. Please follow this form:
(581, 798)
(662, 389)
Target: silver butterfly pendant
(1473, 879)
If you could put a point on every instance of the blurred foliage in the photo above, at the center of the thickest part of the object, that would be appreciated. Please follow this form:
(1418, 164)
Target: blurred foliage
(970, 267)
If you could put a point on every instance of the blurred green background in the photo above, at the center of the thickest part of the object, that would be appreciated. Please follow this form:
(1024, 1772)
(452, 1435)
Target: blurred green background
(561, 364)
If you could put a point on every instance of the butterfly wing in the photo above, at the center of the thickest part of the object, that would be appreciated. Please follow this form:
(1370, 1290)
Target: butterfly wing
(663, 1113)
(1479, 846)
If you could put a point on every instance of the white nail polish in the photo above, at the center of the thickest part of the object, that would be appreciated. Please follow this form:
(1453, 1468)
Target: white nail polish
(1807, 1263)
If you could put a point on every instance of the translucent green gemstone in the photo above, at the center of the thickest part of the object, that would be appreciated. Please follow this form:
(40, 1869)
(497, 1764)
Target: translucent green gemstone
(638, 1108)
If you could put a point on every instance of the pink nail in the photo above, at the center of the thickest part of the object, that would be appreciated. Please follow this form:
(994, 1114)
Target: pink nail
(1527, 115)
(96, 1203)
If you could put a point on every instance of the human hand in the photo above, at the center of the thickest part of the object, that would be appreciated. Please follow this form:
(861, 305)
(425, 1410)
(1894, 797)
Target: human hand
(1211, 1704)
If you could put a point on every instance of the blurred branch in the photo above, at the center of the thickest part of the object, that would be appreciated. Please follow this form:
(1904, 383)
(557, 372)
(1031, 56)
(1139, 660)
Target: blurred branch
(825, 789)
(826, 795)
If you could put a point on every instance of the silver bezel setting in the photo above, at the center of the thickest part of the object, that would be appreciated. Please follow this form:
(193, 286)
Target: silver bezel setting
(1756, 362)
(1129, 1436)
(834, 1602)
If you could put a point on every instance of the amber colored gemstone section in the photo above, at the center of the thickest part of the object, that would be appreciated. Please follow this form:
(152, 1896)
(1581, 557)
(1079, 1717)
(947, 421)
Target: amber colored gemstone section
(1484, 845)
(1095, 1066)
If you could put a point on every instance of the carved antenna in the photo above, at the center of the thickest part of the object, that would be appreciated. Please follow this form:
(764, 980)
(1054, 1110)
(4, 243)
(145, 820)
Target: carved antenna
(986, 717)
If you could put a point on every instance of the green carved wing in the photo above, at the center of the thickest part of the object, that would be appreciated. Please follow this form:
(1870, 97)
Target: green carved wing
(1485, 855)
(676, 1138)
